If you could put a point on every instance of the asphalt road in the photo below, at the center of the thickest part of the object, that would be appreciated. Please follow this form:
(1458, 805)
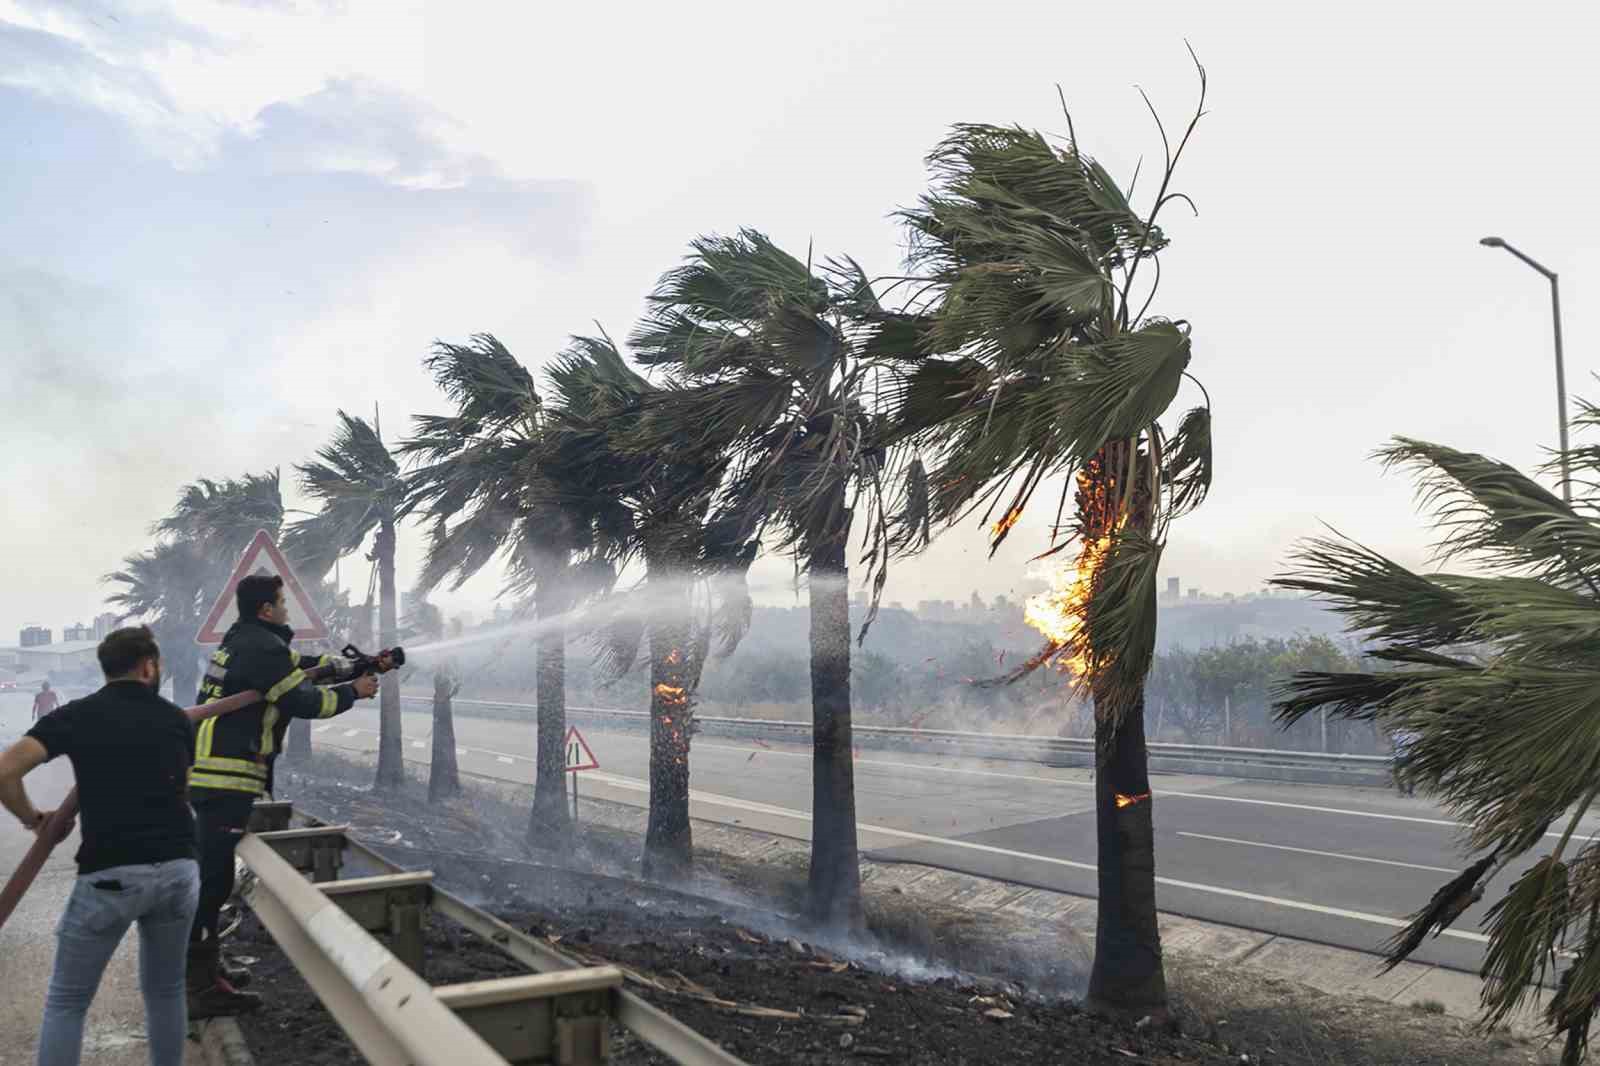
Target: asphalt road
(1341, 866)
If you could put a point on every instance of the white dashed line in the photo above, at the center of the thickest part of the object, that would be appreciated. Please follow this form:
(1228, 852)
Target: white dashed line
(1324, 854)
(924, 838)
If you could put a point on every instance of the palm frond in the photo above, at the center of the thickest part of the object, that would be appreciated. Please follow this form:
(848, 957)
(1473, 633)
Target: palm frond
(1186, 466)
(1491, 512)
(1378, 596)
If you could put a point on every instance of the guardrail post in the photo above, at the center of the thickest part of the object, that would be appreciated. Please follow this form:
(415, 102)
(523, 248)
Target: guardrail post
(325, 861)
(270, 816)
(318, 851)
(405, 934)
(558, 1018)
(391, 904)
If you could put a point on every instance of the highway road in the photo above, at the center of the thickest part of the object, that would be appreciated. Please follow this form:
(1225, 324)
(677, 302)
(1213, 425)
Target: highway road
(1340, 866)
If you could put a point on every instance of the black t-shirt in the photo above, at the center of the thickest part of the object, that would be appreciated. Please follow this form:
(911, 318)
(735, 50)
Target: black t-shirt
(131, 751)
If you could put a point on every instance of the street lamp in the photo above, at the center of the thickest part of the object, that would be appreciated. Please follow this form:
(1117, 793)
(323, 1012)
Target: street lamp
(1561, 373)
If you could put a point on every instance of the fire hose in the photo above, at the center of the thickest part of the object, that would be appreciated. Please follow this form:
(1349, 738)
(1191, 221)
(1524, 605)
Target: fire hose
(58, 826)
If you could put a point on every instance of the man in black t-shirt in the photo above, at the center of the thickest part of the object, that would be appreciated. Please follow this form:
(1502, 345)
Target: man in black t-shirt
(131, 751)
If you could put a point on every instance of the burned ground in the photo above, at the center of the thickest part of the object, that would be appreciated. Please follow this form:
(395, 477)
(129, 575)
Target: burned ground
(931, 985)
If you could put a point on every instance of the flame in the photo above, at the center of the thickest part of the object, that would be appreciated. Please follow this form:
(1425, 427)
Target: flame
(672, 694)
(1059, 612)
(1129, 801)
(1002, 527)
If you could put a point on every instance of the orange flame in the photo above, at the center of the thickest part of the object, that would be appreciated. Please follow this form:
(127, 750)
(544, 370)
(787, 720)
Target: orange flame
(672, 694)
(1000, 528)
(1129, 801)
(1059, 612)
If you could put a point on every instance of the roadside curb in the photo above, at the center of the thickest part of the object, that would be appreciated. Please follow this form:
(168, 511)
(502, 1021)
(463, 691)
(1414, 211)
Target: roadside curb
(222, 1043)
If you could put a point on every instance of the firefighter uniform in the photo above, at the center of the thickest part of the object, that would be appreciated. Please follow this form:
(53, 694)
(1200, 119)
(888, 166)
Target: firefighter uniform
(234, 757)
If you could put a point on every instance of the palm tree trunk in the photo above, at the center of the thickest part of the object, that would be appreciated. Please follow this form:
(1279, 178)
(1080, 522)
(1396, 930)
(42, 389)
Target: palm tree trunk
(834, 888)
(391, 752)
(444, 775)
(668, 841)
(1127, 977)
(548, 824)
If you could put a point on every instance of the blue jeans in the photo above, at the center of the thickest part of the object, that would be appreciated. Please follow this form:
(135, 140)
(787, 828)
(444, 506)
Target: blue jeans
(161, 897)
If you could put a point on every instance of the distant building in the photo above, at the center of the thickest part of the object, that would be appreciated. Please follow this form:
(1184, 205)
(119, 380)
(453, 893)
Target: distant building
(1173, 590)
(77, 633)
(35, 636)
(104, 624)
(1194, 593)
(61, 659)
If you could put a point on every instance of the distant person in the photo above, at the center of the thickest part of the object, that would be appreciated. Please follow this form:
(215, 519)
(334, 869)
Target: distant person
(130, 750)
(44, 701)
(234, 757)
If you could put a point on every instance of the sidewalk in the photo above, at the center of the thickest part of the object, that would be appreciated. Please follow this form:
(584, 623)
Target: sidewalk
(115, 1032)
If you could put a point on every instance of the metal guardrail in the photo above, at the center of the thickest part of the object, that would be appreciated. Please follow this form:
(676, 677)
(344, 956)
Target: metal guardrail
(1272, 764)
(324, 924)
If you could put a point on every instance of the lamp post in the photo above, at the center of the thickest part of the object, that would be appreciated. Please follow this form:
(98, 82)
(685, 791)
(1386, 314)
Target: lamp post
(1561, 372)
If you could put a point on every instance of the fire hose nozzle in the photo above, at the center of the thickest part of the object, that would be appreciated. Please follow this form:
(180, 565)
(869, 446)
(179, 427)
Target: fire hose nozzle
(361, 663)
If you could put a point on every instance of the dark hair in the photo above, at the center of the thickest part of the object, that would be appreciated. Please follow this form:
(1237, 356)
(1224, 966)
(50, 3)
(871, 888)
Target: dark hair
(257, 591)
(125, 649)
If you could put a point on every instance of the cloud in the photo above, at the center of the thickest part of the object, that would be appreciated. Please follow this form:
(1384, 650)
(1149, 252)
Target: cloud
(185, 79)
(355, 126)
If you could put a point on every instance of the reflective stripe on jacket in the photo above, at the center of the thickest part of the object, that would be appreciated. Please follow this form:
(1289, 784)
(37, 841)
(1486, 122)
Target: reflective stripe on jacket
(236, 751)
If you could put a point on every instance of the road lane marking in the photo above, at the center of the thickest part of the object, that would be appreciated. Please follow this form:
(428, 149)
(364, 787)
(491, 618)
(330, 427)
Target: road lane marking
(353, 732)
(1325, 854)
(418, 744)
(1282, 804)
(924, 838)
(506, 759)
(461, 751)
(1069, 782)
(322, 729)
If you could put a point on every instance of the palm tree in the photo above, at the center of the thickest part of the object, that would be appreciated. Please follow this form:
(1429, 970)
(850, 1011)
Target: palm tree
(769, 358)
(487, 489)
(164, 587)
(207, 530)
(664, 497)
(222, 516)
(1496, 675)
(1045, 365)
(358, 484)
(444, 775)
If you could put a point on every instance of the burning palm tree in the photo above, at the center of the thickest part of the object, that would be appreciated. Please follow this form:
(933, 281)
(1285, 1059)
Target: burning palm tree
(660, 502)
(779, 363)
(1047, 365)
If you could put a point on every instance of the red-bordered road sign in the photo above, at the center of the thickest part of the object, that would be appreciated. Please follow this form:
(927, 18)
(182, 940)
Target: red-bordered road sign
(263, 557)
(579, 755)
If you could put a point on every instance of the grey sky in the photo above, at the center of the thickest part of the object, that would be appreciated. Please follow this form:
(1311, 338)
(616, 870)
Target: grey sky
(222, 220)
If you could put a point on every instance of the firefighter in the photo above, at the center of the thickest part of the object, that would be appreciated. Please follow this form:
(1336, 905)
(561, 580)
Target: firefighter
(234, 756)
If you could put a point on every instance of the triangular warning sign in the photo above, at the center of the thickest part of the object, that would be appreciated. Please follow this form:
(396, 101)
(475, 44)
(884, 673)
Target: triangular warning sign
(579, 755)
(263, 557)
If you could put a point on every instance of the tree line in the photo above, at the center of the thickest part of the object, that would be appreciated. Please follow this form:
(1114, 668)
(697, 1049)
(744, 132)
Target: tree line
(783, 403)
